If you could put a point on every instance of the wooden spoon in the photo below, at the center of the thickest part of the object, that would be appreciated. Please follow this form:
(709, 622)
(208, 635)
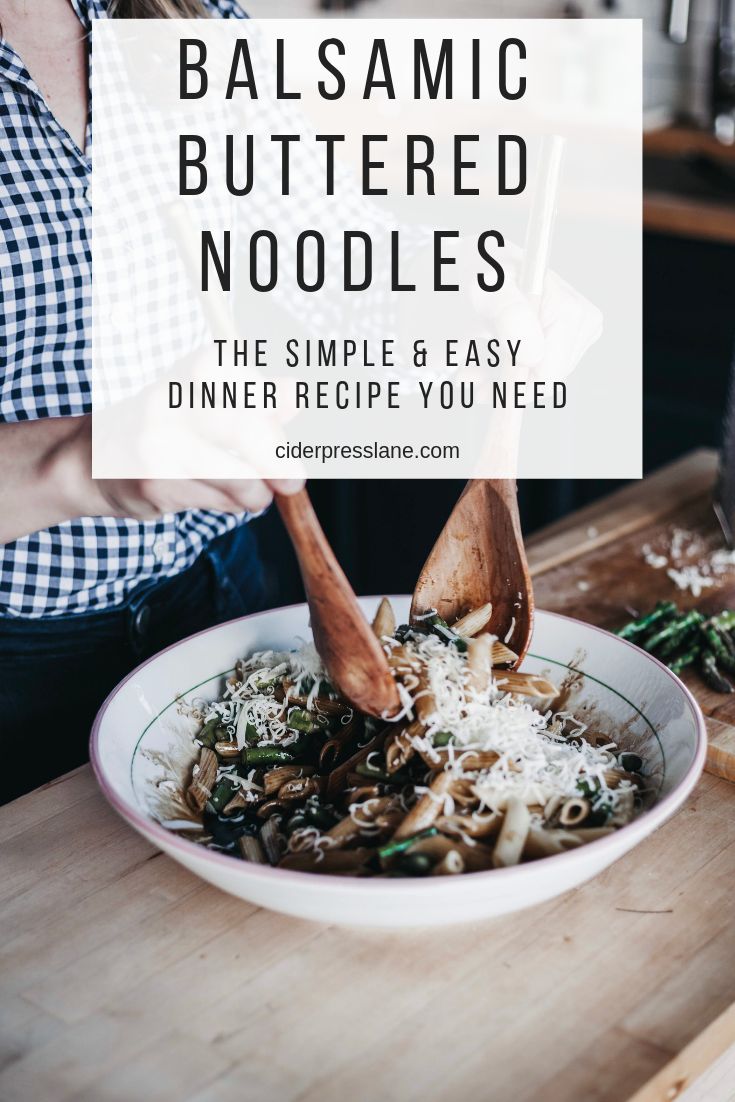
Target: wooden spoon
(346, 644)
(479, 557)
(345, 641)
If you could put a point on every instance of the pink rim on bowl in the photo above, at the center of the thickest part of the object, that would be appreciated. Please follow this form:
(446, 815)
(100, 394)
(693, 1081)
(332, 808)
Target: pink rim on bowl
(637, 828)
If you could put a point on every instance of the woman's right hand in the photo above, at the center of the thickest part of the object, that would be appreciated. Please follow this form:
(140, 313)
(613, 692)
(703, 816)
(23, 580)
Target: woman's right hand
(46, 479)
(146, 499)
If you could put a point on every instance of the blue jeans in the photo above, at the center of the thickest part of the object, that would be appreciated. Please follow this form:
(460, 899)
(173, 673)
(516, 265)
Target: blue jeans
(55, 672)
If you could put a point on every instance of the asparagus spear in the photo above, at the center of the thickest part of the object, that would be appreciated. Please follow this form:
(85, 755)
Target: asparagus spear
(675, 631)
(725, 620)
(663, 611)
(398, 847)
(712, 675)
(716, 644)
(208, 734)
(687, 658)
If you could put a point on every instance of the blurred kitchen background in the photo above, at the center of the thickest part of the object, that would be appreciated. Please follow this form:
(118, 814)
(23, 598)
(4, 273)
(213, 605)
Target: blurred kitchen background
(383, 530)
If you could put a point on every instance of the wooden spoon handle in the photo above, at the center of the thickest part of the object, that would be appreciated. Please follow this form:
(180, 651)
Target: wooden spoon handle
(346, 644)
(316, 558)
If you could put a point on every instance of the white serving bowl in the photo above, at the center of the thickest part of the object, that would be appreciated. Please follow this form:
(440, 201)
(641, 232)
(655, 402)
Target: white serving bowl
(138, 732)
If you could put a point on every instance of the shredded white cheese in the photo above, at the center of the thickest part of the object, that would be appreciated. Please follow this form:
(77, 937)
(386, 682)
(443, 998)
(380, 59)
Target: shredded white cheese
(538, 754)
(692, 561)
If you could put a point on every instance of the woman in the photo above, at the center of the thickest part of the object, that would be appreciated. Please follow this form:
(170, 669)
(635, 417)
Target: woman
(94, 576)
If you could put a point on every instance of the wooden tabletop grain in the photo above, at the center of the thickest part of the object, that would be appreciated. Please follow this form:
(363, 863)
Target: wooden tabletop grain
(124, 977)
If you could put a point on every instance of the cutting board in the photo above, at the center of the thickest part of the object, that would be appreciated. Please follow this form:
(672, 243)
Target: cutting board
(594, 568)
(124, 977)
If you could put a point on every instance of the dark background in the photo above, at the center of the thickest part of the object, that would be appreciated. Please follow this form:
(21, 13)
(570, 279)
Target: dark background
(383, 530)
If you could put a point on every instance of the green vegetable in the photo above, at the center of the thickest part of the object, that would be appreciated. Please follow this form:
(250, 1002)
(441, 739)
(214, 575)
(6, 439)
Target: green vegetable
(392, 848)
(269, 685)
(436, 621)
(373, 772)
(223, 792)
(712, 675)
(266, 755)
(663, 611)
(251, 735)
(724, 620)
(725, 636)
(442, 738)
(675, 632)
(687, 658)
(717, 645)
(300, 720)
(441, 628)
(208, 734)
(683, 639)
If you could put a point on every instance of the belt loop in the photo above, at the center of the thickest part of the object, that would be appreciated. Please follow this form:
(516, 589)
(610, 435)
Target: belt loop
(217, 574)
(139, 616)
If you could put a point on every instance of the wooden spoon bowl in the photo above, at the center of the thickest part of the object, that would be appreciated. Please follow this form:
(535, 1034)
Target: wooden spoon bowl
(479, 557)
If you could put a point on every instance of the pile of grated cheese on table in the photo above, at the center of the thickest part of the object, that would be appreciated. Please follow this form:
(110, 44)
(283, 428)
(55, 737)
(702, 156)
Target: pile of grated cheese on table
(692, 561)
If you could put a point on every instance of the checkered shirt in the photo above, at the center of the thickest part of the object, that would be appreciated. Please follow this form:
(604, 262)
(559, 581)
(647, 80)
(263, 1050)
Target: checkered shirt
(90, 563)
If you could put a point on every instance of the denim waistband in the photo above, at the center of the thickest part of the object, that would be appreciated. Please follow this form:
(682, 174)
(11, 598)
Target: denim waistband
(234, 552)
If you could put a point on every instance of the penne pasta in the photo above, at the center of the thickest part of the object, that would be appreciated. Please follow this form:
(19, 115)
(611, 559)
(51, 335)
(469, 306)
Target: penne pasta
(527, 684)
(574, 812)
(424, 702)
(452, 864)
(546, 843)
(328, 755)
(384, 621)
(472, 623)
(400, 658)
(477, 773)
(399, 748)
(502, 655)
(373, 818)
(321, 705)
(477, 858)
(513, 833)
(274, 778)
(471, 760)
(423, 814)
(300, 788)
(480, 663)
(327, 861)
(476, 825)
(252, 850)
(613, 777)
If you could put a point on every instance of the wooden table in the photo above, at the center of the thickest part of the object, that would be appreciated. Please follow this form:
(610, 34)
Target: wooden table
(124, 977)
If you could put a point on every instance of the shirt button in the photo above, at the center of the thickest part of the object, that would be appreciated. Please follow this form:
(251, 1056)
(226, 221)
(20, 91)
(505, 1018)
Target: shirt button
(160, 550)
